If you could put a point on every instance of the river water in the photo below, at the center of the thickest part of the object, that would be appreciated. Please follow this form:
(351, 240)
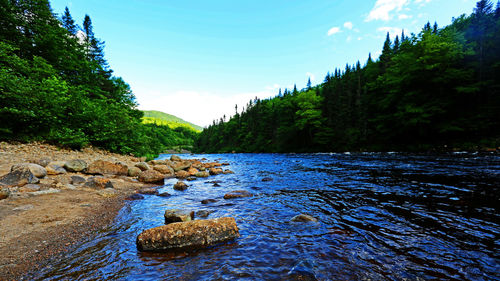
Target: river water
(381, 216)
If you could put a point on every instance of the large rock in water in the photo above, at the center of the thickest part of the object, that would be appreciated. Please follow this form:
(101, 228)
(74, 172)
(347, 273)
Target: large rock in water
(107, 168)
(187, 235)
(237, 194)
(175, 215)
(18, 177)
(37, 170)
(151, 176)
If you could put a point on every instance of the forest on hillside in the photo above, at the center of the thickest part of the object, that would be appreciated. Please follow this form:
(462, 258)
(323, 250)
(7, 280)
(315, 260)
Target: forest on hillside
(435, 89)
(56, 86)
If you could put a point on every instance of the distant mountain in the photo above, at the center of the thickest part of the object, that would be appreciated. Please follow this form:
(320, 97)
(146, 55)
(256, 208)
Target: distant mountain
(162, 118)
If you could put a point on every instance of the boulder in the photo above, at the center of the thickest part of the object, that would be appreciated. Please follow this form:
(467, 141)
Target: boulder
(192, 171)
(164, 169)
(207, 201)
(75, 165)
(55, 168)
(203, 174)
(107, 193)
(175, 215)
(142, 165)
(215, 171)
(180, 186)
(29, 188)
(192, 235)
(134, 171)
(175, 158)
(164, 194)
(77, 180)
(182, 166)
(19, 177)
(203, 213)
(148, 191)
(190, 178)
(37, 170)
(304, 218)
(181, 174)
(101, 167)
(42, 162)
(227, 171)
(237, 194)
(151, 176)
(134, 196)
(98, 183)
(4, 193)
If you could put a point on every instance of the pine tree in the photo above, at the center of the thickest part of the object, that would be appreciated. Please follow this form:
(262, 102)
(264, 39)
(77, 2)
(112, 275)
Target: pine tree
(387, 52)
(295, 89)
(309, 83)
(396, 44)
(369, 61)
(403, 37)
(427, 26)
(68, 22)
(497, 10)
(435, 28)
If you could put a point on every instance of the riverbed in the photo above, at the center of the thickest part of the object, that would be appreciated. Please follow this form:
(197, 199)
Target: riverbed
(381, 216)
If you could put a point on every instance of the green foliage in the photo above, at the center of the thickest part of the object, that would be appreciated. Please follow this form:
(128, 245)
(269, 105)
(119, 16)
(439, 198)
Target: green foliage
(439, 87)
(57, 89)
(162, 118)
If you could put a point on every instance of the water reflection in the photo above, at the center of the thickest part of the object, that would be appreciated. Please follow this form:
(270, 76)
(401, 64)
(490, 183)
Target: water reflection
(381, 216)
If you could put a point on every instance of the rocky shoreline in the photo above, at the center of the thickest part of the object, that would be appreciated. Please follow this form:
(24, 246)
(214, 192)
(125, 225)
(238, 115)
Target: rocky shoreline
(51, 198)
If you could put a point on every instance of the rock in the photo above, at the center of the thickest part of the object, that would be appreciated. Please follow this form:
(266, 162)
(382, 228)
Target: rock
(304, 218)
(157, 162)
(203, 174)
(216, 185)
(192, 171)
(175, 215)
(192, 234)
(180, 186)
(207, 201)
(77, 180)
(215, 171)
(4, 193)
(148, 191)
(37, 170)
(151, 176)
(42, 162)
(24, 208)
(29, 188)
(19, 177)
(191, 178)
(175, 158)
(55, 168)
(164, 169)
(75, 165)
(134, 171)
(227, 171)
(98, 183)
(181, 174)
(101, 167)
(203, 214)
(164, 194)
(135, 196)
(182, 166)
(107, 193)
(142, 165)
(237, 194)
(267, 179)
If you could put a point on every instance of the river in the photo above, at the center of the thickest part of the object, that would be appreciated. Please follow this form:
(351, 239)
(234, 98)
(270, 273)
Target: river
(381, 216)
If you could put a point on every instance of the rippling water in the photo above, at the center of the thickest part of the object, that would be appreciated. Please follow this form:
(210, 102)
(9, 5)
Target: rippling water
(384, 216)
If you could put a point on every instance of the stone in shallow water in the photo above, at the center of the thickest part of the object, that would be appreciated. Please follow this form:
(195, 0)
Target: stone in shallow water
(203, 213)
(207, 201)
(148, 191)
(187, 235)
(304, 218)
(237, 194)
(135, 196)
(180, 186)
(175, 215)
(164, 194)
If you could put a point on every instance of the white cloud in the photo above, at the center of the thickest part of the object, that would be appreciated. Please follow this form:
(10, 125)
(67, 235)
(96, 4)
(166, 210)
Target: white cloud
(404, 16)
(349, 38)
(383, 8)
(393, 31)
(197, 107)
(348, 25)
(310, 75)
(360, 38)
(333, 30)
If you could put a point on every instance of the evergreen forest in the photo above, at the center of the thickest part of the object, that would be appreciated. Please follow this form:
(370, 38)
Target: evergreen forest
(438, 89)
(56, 86)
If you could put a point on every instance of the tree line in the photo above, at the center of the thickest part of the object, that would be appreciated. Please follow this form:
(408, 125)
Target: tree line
(437, 88)
(56, 86)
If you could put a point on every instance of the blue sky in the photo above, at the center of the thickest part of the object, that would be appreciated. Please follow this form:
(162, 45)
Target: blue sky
(196, 59)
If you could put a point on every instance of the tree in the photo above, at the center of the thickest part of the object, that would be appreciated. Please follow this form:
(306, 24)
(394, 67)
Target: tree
(68, 22)
(309, 83)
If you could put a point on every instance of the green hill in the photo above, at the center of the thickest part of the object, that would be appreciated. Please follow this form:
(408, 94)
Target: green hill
(162, 118)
